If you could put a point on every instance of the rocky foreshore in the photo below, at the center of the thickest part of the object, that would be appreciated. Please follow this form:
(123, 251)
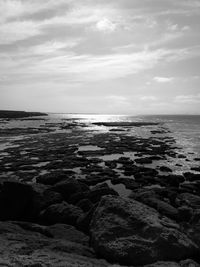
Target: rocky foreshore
(81, 198)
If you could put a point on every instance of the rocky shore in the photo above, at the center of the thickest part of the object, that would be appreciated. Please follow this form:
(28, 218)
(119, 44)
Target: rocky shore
(72, 194)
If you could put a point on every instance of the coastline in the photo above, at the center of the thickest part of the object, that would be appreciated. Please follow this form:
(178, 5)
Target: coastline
(70, 173)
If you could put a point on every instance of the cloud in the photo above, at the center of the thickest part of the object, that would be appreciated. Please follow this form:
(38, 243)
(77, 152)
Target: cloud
(187, 99)
(15, 26)
(18, 30)
(95, 68)
(70, 66)
(10, 9)
(117, 98)
(51, 47)
(148, 98)
(105, 25)
(163, 79)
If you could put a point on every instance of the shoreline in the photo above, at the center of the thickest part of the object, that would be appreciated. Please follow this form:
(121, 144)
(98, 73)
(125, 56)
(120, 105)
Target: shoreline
(70, 173)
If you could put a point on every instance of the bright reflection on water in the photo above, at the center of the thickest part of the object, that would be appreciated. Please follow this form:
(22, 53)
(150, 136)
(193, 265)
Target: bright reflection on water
(89, 118)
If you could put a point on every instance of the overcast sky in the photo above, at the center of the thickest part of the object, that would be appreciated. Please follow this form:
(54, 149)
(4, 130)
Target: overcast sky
(102, 56)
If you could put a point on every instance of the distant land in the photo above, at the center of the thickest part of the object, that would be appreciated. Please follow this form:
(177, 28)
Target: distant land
(19, 114)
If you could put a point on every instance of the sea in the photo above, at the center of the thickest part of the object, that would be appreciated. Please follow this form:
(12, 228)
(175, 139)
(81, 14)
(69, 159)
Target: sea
(184, 128)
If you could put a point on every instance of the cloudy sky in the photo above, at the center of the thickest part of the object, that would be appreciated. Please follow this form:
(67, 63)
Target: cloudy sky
(116, 56)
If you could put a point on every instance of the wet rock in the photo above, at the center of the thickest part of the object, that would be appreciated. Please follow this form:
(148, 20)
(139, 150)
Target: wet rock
(141, 171)
(41, 198)
(161, 206)
(111, 164)
(166, 194)
(143, 160)
(92, 180)
(69, 187)
(192, 176)
(130, 232)
(165, 169)
(77, 197)
(188, 187)
(125, 124)
(20, 201)
(85, 204)
(100, 190)
(124, 160)
(157, 157)
(128, 182)
(185, 213)
(156, 199)
(51, 178)
(181, 156)
(61, 213)
(83, 222)
(189, 200)
(171, 180)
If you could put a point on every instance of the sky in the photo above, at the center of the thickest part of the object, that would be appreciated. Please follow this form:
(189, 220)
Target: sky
(100, 56)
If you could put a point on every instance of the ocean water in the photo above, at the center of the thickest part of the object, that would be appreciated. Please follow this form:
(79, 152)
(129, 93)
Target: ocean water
(184, 128)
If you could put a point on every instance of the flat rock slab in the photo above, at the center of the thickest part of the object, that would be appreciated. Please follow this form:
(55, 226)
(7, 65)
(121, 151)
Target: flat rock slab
(125, 124)
(132, 233)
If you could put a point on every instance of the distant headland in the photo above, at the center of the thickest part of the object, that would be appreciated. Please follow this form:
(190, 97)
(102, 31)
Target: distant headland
(19, 114)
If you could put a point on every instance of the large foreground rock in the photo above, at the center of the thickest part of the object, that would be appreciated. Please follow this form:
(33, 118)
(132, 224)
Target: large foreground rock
(132, 233)
(21, 201)
(23, 245)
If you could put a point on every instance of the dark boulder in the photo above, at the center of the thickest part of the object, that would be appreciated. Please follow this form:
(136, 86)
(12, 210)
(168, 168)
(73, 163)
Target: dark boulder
(15, 200)
(131, 233)
(185, 213)
(61, 213)
(171, 180)
(98, 191)
(20, 201)
(192, 176)
(69, 187)
(85, 204)
(161, 206)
